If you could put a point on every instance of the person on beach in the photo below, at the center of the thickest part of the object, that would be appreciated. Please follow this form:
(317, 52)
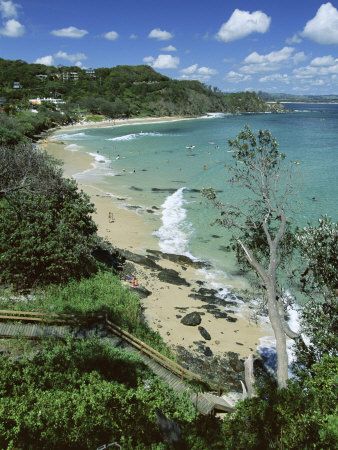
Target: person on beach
(134, 283)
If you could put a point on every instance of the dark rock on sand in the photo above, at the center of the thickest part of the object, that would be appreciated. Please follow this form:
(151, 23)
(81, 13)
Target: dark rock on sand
(140, 259)
(172, 277)
(204, 333)
(192, 319)
(231, 319)
(142, 291)
(208, 351)
(179, 259)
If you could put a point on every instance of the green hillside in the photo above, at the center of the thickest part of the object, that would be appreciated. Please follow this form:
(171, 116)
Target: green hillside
(119, 91)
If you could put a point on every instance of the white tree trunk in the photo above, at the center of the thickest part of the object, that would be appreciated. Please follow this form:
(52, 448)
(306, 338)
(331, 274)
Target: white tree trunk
(278, 329)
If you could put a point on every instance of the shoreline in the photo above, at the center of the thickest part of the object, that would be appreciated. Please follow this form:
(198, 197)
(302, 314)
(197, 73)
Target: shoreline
(114, 123)
(168, 303)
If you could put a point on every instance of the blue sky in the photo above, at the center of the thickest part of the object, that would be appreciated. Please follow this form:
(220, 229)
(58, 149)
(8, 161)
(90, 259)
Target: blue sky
(270, 45)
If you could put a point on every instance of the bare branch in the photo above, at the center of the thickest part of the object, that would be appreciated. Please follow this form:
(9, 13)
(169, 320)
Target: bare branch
(254, 263)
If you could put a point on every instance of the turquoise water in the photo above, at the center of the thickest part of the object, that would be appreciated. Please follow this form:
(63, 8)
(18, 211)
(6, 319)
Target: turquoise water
(151, 166)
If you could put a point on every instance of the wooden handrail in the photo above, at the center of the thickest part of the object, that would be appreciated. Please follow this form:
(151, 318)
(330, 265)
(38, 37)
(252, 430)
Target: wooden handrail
(35, 316)
(154, 354)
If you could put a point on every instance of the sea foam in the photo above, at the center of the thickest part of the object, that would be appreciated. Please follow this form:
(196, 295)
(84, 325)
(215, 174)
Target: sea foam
(100, 167)
(72, 147)
(132, 136)
(175, 232)
(69, 137)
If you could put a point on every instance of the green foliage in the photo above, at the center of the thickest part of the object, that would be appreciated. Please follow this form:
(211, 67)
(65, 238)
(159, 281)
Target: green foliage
(259, 173)
(46, 239)
(122, 91)
(80, 395)
(10, 134)
(103, 293)
(303, 416)
(318, 247)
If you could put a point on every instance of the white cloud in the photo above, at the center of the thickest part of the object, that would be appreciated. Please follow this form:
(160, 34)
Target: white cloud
(190, 70)
(256, 63)
(8, 9)
(277, 77)
(323, 61)
(295, 39)
(319, 67)
(323, 28)
(46, 60)
(273, 57)
(299, 57)
(74, 58)
(243, 23)
(12, 28)
(169, 48)
(160, 35)
(195, 72)
(111, 35)
(206, 71)
(133, 36)
(235, 77)
(70, 32)
(162, 61)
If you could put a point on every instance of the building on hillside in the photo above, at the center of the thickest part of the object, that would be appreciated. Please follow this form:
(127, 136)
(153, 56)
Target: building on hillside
(70, 76)
(90, 73)
(38, 101)
(41, 77)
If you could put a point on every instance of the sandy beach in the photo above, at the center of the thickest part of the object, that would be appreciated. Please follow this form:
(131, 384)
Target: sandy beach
(167, 303)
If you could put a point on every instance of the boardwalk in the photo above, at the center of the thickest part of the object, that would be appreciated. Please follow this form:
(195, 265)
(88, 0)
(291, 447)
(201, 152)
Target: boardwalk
(169, 371)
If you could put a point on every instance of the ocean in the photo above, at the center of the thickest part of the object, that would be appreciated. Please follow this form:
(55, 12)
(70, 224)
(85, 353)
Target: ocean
(163, 166)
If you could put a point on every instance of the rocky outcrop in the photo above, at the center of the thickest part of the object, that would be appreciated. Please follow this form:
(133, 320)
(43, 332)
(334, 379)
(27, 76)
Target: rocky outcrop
(172, 277)
(226, 372)
(192, 319)
(140, 259)
(204, 333)
(179, 259)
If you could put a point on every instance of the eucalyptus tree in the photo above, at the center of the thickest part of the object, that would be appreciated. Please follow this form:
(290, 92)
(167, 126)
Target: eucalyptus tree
(260, 230)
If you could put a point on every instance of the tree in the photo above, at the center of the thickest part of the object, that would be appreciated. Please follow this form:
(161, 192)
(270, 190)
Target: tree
(260, 224)
(47, 239)
(25, 167)
(318, 247)
(303, 416)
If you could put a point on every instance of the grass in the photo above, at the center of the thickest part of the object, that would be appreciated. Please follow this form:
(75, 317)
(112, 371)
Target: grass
(101, 293)
(94, 118)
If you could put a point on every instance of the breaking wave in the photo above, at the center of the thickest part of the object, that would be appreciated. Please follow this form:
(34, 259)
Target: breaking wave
(132, 136)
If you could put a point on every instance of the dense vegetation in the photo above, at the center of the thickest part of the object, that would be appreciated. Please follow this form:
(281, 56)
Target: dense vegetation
(82, 395)
(119, 91)
(46, 232)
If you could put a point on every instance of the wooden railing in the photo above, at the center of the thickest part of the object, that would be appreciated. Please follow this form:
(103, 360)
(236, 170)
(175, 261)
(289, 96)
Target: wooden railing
(73, 319)
(169, 364)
